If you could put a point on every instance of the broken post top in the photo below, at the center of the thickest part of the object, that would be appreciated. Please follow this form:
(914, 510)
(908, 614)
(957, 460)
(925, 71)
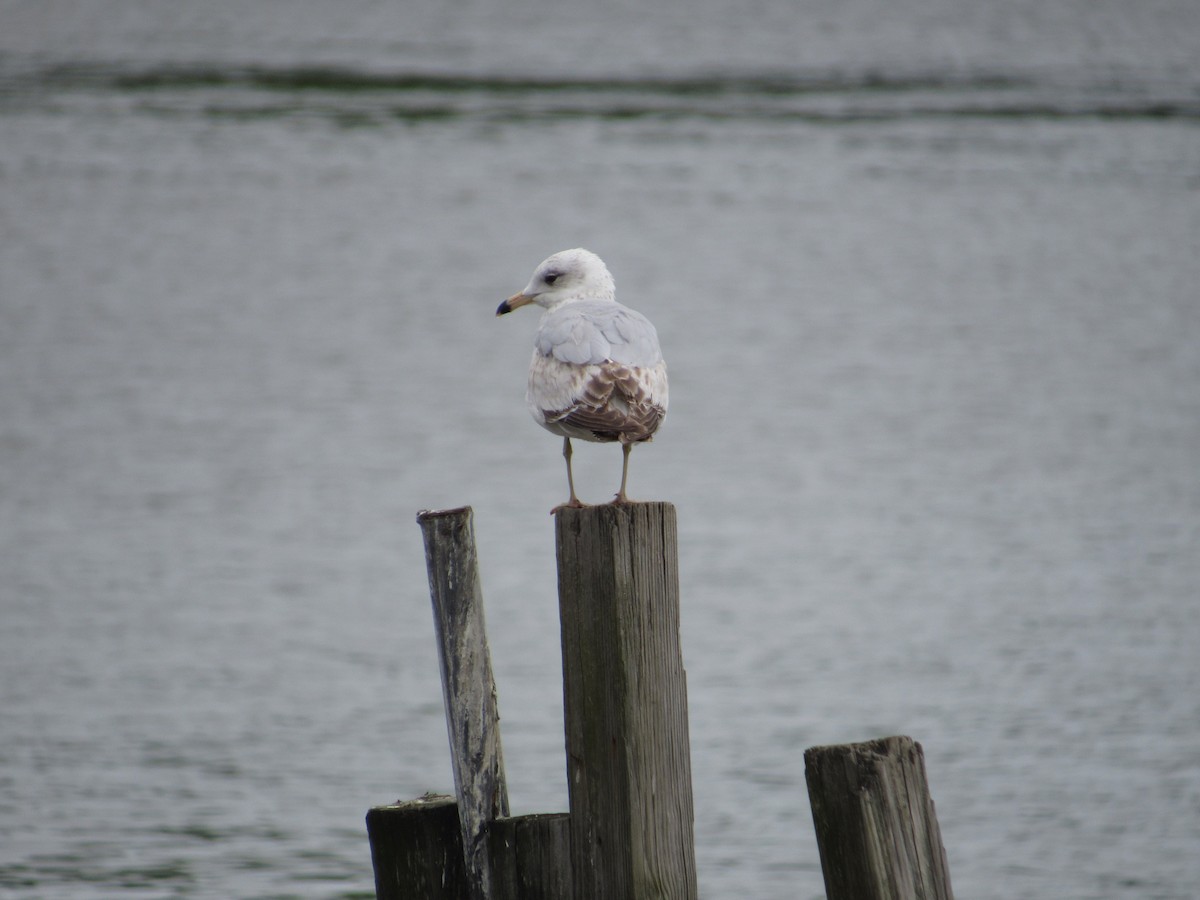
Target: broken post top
(877, 829)
(424, 515)
(449, 540)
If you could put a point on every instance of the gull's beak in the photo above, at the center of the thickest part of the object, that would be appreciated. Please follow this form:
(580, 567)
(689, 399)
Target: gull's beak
(513, 302)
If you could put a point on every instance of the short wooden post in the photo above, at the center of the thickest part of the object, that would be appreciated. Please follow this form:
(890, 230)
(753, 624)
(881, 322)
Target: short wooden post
(625, 703)
(531, 857)
(416, 848)
(469, 691)
(877, 830)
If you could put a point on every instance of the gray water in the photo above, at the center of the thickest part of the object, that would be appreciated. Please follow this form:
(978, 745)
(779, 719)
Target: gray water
(925, 275)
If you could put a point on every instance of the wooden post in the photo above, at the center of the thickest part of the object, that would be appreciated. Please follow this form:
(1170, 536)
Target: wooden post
(625, 703)
(531, 857)
(877, 830)
(416, 848)
(469, 691)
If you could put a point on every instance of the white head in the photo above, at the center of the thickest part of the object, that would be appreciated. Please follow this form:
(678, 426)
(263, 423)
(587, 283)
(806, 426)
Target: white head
(567, 275)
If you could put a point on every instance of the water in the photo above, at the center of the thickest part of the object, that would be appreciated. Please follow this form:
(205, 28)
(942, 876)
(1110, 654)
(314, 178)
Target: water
(926, 279)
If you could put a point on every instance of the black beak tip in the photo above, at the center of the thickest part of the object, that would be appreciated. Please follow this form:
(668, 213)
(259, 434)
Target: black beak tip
(503, 308)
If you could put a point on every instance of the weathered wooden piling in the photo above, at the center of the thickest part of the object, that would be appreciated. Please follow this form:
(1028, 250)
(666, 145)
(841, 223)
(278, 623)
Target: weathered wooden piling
(625, 703)
(629, 833)
(877, 830)
(468, 688)
(416, 849)
(531, 857)
(417, 853)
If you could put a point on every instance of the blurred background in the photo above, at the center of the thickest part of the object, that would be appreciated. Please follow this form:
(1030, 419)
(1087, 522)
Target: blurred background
(925, 274)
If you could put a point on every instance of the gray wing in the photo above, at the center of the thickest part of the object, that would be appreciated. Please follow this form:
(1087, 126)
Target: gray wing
(594, 332)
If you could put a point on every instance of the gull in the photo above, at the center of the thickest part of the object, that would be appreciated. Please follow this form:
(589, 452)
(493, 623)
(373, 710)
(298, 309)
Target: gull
(597, 372)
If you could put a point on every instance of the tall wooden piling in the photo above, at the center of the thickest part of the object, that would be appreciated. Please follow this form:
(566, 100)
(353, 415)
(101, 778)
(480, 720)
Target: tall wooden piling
(877, 830)
(468, 688)
(625, 703)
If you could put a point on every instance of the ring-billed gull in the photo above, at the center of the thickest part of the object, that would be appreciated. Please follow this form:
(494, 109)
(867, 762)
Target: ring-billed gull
(597, 372)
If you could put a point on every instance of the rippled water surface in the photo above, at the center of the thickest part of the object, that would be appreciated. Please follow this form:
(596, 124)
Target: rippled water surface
(926, 278)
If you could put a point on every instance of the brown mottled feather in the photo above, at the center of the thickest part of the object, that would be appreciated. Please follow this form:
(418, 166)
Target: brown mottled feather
(614, 406)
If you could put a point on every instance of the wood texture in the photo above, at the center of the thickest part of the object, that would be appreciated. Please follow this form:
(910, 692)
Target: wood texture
(531, 858)
(416, 848)
(625, 703)
(468, 688)
(877, 829)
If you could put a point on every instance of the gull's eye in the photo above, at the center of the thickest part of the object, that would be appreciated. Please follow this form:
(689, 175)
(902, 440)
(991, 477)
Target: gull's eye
(551, 277)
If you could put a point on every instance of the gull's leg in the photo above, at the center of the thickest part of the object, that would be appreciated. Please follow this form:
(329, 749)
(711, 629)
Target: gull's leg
(621, 498)
(573, 502)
